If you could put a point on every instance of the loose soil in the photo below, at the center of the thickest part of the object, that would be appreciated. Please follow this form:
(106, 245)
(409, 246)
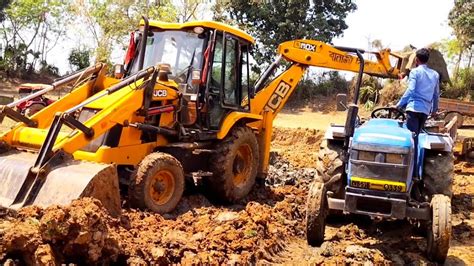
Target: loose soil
(266, 227)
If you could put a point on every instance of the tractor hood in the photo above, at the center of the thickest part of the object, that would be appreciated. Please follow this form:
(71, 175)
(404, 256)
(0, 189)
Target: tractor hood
(384, 132)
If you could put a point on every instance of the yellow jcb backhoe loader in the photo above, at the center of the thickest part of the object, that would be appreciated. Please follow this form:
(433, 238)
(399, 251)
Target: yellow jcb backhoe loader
(181, 106)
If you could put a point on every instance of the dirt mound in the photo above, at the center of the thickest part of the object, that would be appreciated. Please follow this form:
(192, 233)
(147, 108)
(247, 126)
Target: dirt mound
(197, 232)
(391, 92)
(77, 232)
(298, 146)
(267, 226)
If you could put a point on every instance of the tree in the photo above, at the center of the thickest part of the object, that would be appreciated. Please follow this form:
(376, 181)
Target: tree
(3, 5)
(461, 19)
(273, 22)
(79, 58)
(30, 29)
(110, 21)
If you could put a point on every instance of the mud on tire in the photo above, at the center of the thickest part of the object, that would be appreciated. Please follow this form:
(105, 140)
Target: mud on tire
(157, 184)
(439, 233)
(234, 166)
(330, 167)
(438, 172)
(316, 212)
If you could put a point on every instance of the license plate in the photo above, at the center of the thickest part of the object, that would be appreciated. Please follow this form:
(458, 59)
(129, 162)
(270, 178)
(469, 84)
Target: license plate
(377, 184)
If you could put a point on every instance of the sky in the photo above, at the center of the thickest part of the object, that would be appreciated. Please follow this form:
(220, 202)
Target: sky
(396, 23)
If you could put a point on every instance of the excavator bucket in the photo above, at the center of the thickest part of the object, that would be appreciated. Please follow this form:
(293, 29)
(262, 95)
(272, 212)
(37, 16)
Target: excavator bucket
(65, 182)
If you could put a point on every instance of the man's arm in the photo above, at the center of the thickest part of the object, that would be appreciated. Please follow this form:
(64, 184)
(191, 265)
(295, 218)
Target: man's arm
(409, 91)
(434, 108)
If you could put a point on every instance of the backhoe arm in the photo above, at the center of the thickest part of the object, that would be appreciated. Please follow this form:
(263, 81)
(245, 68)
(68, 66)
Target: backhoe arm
(270, 99)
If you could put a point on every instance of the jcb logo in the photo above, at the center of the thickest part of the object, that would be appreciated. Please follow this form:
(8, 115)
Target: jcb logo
(277, 97)
(307, 47)
(160, 93)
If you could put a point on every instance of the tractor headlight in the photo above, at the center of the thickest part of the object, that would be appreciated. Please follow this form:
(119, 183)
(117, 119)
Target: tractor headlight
(394, 158)
(367, 156)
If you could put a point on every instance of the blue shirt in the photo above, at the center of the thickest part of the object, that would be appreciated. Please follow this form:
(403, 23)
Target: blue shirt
(422, 94)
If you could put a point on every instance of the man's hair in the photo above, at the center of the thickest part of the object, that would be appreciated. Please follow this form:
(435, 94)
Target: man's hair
(423, 55)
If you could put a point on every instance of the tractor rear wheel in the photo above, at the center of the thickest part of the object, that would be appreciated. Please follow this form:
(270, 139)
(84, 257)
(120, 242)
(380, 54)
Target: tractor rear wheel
(438, 172)
(316, 212)
(451, 115)
(330, 167)
(234, 166)
(439, 233)
(157, 184)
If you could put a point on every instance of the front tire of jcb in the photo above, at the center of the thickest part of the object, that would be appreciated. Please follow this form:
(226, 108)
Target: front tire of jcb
(234, 166)
(316, 212)
(157, 184)
(439, 233)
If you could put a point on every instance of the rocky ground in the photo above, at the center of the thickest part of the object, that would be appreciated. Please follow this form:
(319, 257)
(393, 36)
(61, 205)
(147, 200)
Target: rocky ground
(267, 227)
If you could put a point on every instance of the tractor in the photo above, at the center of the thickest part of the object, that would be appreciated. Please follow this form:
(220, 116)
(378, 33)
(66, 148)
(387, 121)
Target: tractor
(371, 168)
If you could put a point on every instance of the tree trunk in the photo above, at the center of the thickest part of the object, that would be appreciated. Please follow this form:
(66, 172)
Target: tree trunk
(470, 59)
(456, 69)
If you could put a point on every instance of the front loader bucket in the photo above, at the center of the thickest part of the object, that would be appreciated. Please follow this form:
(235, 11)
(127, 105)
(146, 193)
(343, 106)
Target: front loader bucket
(65, 182)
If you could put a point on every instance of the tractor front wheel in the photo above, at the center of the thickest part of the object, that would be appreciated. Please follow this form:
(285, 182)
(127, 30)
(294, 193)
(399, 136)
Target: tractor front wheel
(438, 171)
(439, 233)
(234, 166)
(157, 184)
(316, 212)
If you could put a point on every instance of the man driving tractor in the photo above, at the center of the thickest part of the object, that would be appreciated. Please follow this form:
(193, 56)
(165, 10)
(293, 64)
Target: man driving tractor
(422, 94)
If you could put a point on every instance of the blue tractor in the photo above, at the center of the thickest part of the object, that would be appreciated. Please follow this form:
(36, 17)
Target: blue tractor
(369, 168)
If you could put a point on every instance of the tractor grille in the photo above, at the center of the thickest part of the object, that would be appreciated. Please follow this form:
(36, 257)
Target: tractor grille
(379, 165)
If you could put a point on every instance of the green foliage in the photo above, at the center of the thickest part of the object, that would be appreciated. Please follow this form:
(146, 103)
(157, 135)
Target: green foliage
(47, 69)
(462, 85)
(3, 5)
(27, 29)
(273, 22)
(461, 19)
(327, 84)
(368, 93)
(110, 21)
(79, 58)
(369, 105)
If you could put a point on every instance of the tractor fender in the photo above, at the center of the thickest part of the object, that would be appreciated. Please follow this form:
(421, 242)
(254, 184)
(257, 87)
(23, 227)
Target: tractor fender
(433, 141)
(335, 132)
(233, 118)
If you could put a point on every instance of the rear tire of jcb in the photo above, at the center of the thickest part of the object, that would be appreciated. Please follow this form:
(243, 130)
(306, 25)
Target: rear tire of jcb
(330, 167)
(234, 166)
(157, 184)
(316, 212)
(438, 171)
(439, 234)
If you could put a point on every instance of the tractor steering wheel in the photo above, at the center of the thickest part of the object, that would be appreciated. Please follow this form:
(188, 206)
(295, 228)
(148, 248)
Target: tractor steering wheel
(388, 112)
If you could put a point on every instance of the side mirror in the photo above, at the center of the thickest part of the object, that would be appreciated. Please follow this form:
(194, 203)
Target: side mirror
(119, 71)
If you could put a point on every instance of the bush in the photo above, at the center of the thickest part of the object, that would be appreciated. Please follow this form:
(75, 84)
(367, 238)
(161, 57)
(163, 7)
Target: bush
(79, 58)
(461, 86)
(329, 83)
